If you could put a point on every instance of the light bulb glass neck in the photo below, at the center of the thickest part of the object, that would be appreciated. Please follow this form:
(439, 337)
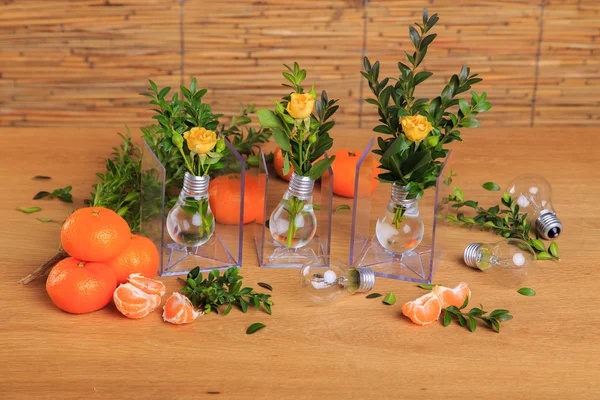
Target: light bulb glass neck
(399, 196)
(548, 225)
(195, 186)
(472, 255)
(301, 186)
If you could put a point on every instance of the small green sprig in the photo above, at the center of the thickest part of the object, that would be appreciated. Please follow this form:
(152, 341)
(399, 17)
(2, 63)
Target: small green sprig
(63, 194)
(503, 219)
(223, 290)
(469, 319)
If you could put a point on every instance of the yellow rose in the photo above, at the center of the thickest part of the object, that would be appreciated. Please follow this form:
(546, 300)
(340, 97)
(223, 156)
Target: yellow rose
(301, 105)
(200, 140)
(416, 127)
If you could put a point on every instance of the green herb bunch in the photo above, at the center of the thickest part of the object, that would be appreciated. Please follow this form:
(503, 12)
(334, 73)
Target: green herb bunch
(469, 319)
(419, 129)
(216, 290)
(503, 219)
(302, 140)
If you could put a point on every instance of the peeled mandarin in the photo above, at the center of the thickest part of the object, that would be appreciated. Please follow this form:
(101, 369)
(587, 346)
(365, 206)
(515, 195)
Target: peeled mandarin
(179, 310)
(424, 310)
(452, 297)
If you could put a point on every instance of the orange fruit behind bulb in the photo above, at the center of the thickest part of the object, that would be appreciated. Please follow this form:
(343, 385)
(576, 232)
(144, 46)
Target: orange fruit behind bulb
(94, 234)
(139, 257)
(224, 198)
(278, 165)
(80, 287)
(344, 172)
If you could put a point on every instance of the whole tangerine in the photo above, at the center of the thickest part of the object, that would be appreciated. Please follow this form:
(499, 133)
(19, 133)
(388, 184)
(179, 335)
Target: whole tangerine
(95, 234)
(140, 256)
(224, 198)
(79, 287)
(278, 165)
(344, 172)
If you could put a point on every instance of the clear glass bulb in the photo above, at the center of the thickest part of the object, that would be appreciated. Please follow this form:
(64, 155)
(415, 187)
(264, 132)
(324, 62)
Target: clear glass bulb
(191, 222)
(533, 195)
(509, 261)
(400, 228)
(293, 223)
(325, 280)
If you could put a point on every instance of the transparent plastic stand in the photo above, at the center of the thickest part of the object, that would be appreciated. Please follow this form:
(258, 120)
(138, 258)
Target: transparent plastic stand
(418, 265)
(271, 189)
(222, 251)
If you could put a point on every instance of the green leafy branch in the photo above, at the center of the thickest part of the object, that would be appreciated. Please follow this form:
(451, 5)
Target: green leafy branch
(217, 290)
(469, 319)
(503, 219)
(63, 194)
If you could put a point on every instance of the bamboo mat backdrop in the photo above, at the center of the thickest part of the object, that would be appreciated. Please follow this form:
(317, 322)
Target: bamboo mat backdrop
(83, 63)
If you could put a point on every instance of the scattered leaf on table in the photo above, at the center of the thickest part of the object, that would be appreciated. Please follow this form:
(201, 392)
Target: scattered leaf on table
(373, 295)
(41, 177)
(341, 207)
(526, 291)
(254, 328)
(428, 286)
(41, 219)
(265, 285)
(29, 210)
(447, 318)
(390, 299)
(538, 245)
(544, 256)
(491, 186)
(41, 195)
(553, 249)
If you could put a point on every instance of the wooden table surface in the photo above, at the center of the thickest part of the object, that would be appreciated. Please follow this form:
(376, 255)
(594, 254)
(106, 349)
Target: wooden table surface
(356, 348)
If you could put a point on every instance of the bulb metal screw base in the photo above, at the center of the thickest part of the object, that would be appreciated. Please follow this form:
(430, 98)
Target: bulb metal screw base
(548, 225)
(366, 279)
(301, 186)
(471, 255)
(195, 186)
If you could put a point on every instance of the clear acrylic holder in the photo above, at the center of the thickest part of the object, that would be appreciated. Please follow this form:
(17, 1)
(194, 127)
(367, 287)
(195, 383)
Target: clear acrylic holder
(418, 265)
(222, 251)
(271, 189)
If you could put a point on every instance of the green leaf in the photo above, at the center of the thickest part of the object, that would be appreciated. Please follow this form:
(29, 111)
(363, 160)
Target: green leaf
(41, 177)
(496, 325)
(491, 186)
(465, 303)
(41, 195)
(458, 194)
(281, 138)
(544, 256)
(470, 123)
(268, 119)
(320, 167)
(498, 313)
(254, 328)
(265, 285)
(447, 318)
(414, 36)
(228, 309)
(472, 324)
(526, 291)
(41, 219)
(389, 299)
(29, 210)
(421, 76)
(464, 107)
(373, 295)
(243, 305)
(426, 41)
(553, 249)
(428, 286)
(342, 207)
(538, 245)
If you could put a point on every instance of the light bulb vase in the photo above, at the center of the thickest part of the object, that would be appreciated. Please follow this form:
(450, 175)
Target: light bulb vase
(298, 223)
(178, 217)
(397, 236)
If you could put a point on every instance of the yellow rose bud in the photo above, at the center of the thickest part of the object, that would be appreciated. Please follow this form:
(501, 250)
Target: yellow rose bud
(301, 105)
(416, 127)
(200, 140)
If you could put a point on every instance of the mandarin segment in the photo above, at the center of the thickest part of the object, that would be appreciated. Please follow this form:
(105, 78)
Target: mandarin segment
(140, 256)
(80, 287)
(133, 302)
(148, 285)
(452, 297)
(424, 310)
(179, 310)
(94, 234)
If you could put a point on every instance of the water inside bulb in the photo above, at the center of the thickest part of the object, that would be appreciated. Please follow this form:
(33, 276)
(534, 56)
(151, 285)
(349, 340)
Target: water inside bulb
(400, 228)
(293, 223)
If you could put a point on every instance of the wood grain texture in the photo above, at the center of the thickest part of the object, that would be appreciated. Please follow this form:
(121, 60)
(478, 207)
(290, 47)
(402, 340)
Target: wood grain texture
(569, 71)
(83, 63)
(357, 348)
